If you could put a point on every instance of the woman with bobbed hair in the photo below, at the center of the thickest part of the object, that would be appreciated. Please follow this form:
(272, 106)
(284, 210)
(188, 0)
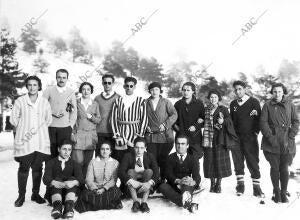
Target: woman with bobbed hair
(218, 137)
(84, 132)
(101, 178)
(279, 125)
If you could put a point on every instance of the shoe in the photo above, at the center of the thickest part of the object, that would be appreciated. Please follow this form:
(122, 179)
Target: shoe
(118, 205)
(276, 196)
(240, 188)
(20, 200)
(257, 191)
(68, 211)
(144, 207)
(38, 199)
(192, 207)
(284, 198)
(218, 188)
(135, 207)
(57, 210)
(288, 194)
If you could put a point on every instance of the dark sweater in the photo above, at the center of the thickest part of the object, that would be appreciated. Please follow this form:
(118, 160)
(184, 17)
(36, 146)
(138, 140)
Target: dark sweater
(188, 114)
(245, 124)
(53, 171)
(189, 167)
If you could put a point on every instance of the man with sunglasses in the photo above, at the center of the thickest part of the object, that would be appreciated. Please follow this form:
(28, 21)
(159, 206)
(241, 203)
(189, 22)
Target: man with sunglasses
(105, 101)
(129, 119)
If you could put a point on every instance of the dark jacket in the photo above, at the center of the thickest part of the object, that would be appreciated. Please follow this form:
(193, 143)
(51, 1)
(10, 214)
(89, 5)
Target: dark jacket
(53, 171)
(188, 114)
(129, 161)
(279, 125)
(164, 114)
(176, 170)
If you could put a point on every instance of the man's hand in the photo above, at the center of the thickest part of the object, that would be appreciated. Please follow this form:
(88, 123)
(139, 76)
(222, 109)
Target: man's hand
(162, 128)
(200, 120)
(192, 128)
(58, 115)
(188, 181)
(221, 118)
(89, 116)
(145, 187)
(70, 183)
(100, 191)
(253, 112)
(133, 183)
(58, 184)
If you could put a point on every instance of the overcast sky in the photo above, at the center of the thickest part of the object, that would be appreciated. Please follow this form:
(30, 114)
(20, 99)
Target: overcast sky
(203, 31)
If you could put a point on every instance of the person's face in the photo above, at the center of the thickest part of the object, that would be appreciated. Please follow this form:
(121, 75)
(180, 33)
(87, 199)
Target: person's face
(187, 92)
(155, 92)
(107, 84)
(278, 93)
(214, 99)
(129, 88)
(139, 149)
(86, 91)
(105, 151)
(61, 79)
(65, 151)
(239, 91)
(181, 145)
(32, 87)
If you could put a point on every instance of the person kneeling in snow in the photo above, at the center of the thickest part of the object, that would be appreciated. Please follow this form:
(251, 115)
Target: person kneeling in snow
(63, 176)
(182, 172)
(139, 171)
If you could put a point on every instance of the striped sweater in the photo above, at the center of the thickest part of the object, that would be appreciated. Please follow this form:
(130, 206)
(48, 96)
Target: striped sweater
(128, 123)
(31, 121)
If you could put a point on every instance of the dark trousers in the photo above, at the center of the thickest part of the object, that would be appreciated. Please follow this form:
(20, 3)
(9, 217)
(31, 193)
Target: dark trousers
(35, 162)
(83, 157)
(248, 150)
(196, 150)
(57, 136)
(173, 193)
(160, 152)
(102, 138)
(279, 169)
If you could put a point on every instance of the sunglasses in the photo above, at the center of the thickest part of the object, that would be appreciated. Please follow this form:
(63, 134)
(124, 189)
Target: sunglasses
(107, 83)
(129, 86)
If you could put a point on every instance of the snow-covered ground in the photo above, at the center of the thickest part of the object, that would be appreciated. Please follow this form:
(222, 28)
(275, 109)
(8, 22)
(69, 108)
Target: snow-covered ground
(211, 206)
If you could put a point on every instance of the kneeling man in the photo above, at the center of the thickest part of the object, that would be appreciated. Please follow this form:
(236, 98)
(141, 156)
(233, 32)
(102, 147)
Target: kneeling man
(182, 173)
(139, 171)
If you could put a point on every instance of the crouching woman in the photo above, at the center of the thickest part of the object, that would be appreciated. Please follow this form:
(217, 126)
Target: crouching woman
(101, 178)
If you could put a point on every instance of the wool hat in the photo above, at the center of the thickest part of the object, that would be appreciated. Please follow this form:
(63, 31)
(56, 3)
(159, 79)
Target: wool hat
(153, 85)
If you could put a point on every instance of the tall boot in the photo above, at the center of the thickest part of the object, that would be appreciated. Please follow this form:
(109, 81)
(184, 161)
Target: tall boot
(57, 209)
(284, 179)
(218, 188)
(22, 183)
(36, 182)
(212, 184)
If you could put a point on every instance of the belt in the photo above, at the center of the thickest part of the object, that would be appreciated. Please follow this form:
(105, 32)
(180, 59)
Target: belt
(128, 122)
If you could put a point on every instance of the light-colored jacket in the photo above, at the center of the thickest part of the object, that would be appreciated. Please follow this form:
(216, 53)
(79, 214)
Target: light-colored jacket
(31, 121)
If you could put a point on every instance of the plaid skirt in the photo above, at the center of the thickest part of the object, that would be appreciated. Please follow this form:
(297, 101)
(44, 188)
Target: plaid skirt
(91, 201)
(216, 162)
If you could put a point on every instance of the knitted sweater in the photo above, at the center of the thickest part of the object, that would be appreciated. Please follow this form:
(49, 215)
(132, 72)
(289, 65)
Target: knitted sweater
(58, 101)
(31, 121)
(105, 107)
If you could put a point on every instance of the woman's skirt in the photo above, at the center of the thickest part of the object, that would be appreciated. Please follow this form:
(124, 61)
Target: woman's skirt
(90, 201)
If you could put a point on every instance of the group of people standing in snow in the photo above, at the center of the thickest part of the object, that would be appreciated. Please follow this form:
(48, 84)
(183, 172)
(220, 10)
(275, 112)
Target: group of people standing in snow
(88, 144)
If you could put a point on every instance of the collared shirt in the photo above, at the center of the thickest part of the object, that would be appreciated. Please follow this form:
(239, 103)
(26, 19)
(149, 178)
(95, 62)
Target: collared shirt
(86, 104)
(61, 89)
(137, 168)
(184, 156)
(244, 99)
(108, 95)
(128, 100)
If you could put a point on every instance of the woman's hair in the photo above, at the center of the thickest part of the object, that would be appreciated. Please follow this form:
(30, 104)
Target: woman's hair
(36, 79)
(216, 92)
(86, 83)
(279, 85)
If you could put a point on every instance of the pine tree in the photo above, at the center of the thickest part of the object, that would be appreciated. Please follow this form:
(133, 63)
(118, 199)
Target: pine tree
(29, 38)
(11, 77)
(77, 44)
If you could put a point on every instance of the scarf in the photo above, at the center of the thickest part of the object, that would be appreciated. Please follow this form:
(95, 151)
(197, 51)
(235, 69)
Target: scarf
(208, 132)
(63, 162)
